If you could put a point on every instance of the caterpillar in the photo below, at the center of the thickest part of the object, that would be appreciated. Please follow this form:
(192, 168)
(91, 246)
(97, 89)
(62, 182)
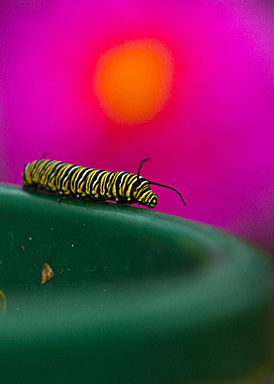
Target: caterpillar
(68, 179)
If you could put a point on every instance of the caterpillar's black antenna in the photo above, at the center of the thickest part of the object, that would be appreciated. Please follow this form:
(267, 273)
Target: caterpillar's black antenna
(44, 155)
(140, 166)
(173, 189)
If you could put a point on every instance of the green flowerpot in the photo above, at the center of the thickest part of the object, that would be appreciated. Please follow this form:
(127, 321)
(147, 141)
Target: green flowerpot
(137, 297)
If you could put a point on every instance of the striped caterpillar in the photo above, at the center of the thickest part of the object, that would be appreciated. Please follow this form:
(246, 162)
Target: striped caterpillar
(68, 179)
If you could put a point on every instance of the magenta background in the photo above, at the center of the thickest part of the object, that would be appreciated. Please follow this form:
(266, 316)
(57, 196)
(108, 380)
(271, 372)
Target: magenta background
(214, 139)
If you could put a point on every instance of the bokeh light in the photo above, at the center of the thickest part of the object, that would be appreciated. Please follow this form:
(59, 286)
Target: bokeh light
(133, 80)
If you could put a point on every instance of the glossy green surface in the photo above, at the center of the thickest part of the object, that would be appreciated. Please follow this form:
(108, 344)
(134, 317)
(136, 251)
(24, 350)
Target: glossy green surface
(138, 297)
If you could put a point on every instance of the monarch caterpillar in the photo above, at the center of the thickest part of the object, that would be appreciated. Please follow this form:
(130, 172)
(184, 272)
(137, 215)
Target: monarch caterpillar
(69, 179)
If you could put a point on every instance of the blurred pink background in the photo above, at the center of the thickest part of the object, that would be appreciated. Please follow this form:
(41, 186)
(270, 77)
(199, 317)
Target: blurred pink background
(213, 137)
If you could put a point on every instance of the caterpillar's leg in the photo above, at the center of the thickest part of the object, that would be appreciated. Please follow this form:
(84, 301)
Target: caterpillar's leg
(62, 198)
(123, 202)
(40, 188)
(81, 197)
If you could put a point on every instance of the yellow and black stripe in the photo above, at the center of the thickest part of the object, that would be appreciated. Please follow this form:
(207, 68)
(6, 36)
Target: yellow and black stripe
(82, 182)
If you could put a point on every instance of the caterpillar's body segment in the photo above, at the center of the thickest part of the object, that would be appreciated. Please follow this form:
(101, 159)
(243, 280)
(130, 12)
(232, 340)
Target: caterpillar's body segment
(96, 184)
(69, 179)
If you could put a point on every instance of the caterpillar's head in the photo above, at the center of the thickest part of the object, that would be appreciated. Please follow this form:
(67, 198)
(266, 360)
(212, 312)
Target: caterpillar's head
(153, 200)
(148, 198)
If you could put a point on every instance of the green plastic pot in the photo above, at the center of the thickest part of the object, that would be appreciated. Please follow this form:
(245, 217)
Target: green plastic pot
(138, 297)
